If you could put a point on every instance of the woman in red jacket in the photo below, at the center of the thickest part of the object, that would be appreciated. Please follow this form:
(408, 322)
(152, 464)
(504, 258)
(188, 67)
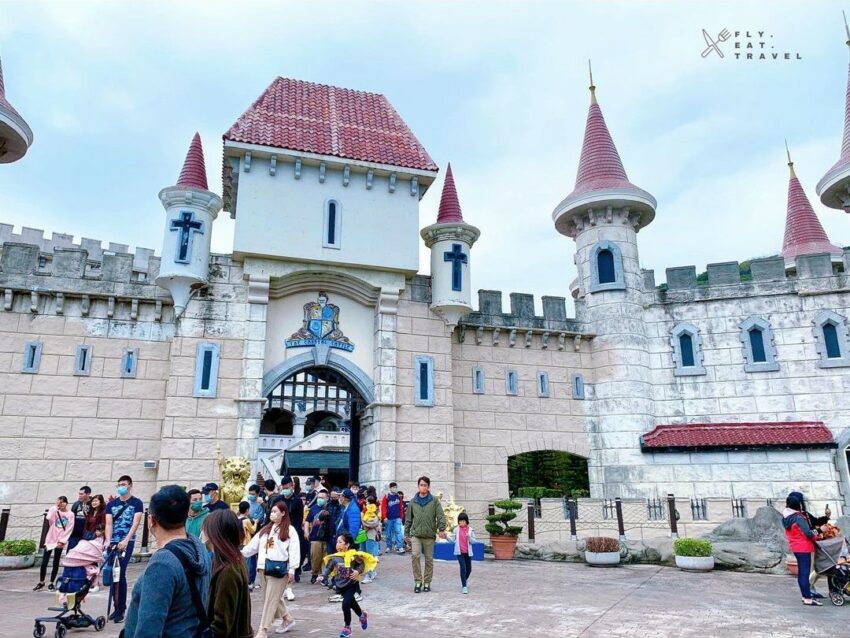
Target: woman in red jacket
(800, 537)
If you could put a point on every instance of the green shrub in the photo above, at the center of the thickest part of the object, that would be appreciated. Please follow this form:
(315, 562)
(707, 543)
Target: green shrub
(691, 547)
(17, 548)
(538, 492)
(497, 524)
(601, 544)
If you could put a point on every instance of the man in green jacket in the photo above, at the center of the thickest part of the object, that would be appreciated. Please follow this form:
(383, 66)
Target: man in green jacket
(423, 521)
(197, 513)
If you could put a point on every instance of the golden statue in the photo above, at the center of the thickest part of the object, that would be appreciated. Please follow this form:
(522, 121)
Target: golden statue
(235, 471)
(451, 511)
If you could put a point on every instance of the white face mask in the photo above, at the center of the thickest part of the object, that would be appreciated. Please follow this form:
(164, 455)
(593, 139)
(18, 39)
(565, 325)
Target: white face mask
(275, 516)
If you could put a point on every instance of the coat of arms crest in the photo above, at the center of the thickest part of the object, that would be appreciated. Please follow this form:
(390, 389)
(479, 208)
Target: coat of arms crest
(321, 326)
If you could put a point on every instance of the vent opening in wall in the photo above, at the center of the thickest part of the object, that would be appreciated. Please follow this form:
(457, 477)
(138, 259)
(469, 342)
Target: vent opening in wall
(477, 381)
(578, 386)
(543, 384)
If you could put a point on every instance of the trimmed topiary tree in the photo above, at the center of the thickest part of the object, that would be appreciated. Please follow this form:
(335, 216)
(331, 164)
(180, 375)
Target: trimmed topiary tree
(498, 523)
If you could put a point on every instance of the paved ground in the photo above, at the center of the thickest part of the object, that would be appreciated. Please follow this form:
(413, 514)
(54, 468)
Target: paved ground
(523, 599)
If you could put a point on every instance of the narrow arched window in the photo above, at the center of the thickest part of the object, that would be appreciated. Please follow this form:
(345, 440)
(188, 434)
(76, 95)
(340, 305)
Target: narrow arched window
(830, 340)
(605, 266)
(757, 345)
(333, 225)
(687, 350)
(686, 346)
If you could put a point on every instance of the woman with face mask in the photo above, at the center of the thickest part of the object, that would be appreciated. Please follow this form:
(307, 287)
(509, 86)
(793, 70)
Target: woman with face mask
(278, 553)
(230, 598)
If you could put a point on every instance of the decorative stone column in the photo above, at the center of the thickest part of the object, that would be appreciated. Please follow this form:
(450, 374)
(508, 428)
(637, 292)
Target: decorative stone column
(251, 401)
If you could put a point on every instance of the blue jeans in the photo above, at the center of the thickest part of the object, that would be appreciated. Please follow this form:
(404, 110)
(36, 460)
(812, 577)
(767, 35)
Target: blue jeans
(120, 590)
(252, 568)
(394, 531)
(465, 561)
(371, 547)
(804, 568)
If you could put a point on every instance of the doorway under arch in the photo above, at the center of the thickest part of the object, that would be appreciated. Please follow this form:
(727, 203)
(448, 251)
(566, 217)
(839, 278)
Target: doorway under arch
(326, 401)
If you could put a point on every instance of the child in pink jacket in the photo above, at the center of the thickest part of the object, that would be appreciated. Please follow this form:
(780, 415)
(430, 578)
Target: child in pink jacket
(60, 519)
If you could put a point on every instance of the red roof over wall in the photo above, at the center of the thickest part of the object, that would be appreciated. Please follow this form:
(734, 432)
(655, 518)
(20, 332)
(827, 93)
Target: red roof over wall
(791, 434)
(329, 120)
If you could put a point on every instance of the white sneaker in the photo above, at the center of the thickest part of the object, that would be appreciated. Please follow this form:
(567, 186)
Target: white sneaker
(284, 627)
(337, 598)
(289, 594)
(94, 589)
(358, 596)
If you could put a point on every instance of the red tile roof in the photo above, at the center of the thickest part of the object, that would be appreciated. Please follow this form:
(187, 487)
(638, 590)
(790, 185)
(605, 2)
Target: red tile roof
(194, 173)
(328, 120)
(789, 434)
(804, 234)
(449, 205)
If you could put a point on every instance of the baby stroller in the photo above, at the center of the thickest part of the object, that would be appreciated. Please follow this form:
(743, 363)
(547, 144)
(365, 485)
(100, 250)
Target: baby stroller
(831, 560)
(81, 567)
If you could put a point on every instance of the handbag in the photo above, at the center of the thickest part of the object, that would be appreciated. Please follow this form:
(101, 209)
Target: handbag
(361, 536)
(276, 568)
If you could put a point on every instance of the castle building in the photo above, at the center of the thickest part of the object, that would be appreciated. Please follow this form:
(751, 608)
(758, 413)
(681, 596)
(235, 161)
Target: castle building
(319, 347)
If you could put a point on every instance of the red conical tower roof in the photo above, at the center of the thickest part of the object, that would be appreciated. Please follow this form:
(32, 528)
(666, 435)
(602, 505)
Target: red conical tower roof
(194, 173)
(601, 178)
(449, 205)
(804, 234)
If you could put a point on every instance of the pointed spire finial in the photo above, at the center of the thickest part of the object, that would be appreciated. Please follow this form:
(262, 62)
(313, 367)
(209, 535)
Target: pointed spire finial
(846, 28)
(592, 86)
(790, 162)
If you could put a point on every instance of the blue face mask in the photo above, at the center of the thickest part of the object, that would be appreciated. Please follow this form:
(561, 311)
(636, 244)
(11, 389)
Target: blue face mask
(252, 498)
(320, 502)
(122, 490)
(287, 492)
(207, 498)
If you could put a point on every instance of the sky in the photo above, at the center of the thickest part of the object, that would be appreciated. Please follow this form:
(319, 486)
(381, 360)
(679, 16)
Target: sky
(115, 90)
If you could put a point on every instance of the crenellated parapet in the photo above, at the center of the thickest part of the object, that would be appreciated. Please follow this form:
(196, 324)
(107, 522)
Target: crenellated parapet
(814, 274)
(142, 259)
(518, 327)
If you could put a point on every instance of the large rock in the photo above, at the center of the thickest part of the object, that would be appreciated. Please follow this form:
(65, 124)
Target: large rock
(751, 544)
(567, 551)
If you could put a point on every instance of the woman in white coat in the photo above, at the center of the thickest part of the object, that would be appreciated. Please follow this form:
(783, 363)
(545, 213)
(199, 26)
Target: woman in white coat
(273, 545)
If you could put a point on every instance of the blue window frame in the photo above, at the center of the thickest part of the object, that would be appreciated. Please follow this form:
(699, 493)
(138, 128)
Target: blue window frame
(82, 360)
(830, 340)
(512, 382)
(577, 383)
(605, 266)
(206, 370)
(686, 347)
(129, 361)
(478, 381)
(424, 372)
(32, 357)
(543, 384)
(757, 344)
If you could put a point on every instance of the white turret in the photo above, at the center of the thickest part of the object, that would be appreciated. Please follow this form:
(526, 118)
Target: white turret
(450, 241)
(190, 210)
(15, 133)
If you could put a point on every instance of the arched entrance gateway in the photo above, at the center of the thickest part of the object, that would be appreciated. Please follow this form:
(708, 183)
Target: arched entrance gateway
(311, 424)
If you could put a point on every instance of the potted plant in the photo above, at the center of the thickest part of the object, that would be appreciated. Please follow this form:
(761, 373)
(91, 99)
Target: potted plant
(503, 536)
(17, 554)
(602, 551)
(693, 554)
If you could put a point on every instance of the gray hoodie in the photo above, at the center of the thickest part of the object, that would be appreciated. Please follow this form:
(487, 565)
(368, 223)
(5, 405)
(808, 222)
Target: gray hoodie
(161, 606)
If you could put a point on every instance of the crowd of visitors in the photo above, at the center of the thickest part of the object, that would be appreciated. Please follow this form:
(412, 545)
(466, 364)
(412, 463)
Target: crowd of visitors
(210, 558)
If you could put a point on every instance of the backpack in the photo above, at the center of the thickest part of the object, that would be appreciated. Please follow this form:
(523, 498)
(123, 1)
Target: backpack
(204, 630)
